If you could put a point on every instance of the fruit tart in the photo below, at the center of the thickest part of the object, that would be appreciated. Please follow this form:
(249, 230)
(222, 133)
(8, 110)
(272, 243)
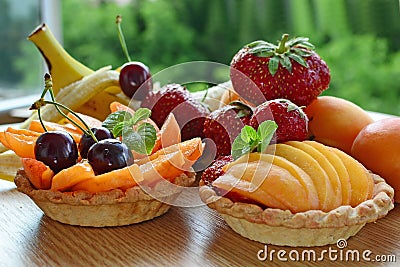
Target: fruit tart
(298, 193)
(117, 172)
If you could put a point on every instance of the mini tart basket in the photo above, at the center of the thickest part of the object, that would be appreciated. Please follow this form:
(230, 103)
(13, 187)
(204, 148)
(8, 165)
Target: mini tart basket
(303, 229)
(112, 208)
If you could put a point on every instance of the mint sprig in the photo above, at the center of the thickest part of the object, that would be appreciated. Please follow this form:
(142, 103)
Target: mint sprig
(141, 139)
(249, 139)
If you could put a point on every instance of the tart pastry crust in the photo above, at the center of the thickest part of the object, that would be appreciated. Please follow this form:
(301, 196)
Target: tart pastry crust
(113, 208)
(310, 228)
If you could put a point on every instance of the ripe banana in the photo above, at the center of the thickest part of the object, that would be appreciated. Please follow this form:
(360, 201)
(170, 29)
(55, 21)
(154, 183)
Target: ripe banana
(97, 106)
(10, 163)
(63, 68)
(76, 94)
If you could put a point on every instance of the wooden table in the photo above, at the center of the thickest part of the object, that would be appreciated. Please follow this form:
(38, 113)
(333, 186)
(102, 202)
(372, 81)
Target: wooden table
(182, 237)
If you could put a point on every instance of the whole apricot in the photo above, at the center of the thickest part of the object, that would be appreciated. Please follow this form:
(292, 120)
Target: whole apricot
(335, 121)
(377, 147)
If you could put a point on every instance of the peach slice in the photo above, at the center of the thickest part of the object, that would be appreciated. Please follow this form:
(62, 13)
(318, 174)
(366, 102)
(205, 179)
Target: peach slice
(22, 145)
(67, 178)
(169, 134)
(38, 173)
(303, 178)
(89, 120)
(192, 149)
(314, 170)
(122, 178)
(362, 184)
(339, 167)
(164, 167)
(74, 131)
(3, 140)
(326, 165)
(23, 132)
(246, 190)
(279, 186)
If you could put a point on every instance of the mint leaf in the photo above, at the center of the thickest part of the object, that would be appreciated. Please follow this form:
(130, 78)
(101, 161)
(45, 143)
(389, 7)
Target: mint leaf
(249, 139)
(265, 132)
(134, 141)
(245, 142)
(121, 123)
(148, 134)
(142, 140)
(140, 115)
(115, 118)
(118, 128)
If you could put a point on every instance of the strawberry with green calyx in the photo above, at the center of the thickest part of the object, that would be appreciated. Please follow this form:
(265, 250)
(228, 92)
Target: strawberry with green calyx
(292, 69)
(291, 119)
(224, 124)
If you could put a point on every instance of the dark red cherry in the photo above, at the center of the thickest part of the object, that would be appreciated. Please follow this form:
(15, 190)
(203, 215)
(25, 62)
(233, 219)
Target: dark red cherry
(56, 149)
(87, 141)
(135, 80)
(108, 155)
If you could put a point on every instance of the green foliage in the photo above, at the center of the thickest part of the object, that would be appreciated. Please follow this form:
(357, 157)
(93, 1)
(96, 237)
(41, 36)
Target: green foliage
(90, 32)
(365, 72)
(357, 38)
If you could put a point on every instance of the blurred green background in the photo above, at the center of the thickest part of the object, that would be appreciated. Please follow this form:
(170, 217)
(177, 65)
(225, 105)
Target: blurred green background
(359, 39)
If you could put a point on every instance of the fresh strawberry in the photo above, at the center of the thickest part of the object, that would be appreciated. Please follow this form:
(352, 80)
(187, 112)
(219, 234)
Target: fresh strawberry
(215, 169)
(189, 113)
(291, 120)
(263, 71)
(223, 125)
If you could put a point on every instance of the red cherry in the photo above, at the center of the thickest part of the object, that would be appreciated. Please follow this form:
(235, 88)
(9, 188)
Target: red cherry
(135, 80)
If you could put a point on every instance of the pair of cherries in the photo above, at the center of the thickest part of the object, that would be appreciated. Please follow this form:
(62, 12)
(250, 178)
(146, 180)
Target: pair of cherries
(58, 150)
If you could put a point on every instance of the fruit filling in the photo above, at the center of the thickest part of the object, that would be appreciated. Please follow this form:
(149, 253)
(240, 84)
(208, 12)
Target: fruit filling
(125, 150)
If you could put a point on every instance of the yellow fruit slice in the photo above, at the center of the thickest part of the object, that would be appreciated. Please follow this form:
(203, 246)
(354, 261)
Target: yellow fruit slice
(275, 185)
(303, 178)
(362, 184)
(314, 170)
(327, 166)
(340, 169)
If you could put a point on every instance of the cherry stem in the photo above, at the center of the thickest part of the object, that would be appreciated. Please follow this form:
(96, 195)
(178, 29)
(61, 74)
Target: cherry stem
(42, 102)
(122, 38)
(88, 131)
(41, 121)
(282, 44)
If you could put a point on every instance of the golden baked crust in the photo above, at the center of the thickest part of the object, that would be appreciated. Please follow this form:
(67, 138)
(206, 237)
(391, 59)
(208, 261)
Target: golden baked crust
(113, 208)
(310, 228)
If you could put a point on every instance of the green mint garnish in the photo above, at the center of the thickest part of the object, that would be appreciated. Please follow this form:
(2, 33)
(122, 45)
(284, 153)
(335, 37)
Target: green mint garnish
(141, 139)
(115, 122)
(249, 139)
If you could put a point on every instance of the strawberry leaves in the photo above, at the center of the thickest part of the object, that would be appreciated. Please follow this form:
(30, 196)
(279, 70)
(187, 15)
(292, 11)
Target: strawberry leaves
(249, 139)
(136, 134)
(281, 54)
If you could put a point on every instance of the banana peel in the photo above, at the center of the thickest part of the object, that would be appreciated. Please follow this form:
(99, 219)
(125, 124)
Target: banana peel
(97, 106)
(63, 68)
(9, 164)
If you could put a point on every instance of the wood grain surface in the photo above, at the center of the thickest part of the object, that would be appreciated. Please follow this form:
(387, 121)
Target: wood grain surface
(182, 237)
